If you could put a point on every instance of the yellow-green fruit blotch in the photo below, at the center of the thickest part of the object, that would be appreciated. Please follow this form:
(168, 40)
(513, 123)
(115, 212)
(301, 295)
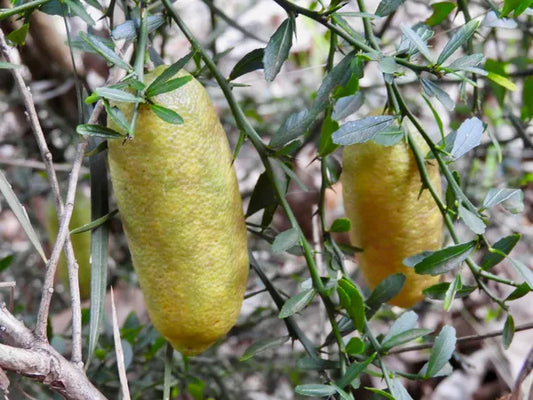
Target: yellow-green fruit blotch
(81, 242)
(391, 219)
(180, 205)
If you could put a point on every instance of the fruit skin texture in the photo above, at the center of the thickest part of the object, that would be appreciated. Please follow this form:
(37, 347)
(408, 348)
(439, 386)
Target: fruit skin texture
(81, 242)
(391, 219)
(180, 205)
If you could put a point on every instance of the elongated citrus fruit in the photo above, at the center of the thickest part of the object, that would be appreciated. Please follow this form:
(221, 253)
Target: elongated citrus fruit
(81, 242)
(391, 218)
(180, 205)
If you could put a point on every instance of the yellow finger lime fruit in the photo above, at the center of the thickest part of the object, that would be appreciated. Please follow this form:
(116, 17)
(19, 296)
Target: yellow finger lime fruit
(391, 218)
(81, 242)
(180, 205)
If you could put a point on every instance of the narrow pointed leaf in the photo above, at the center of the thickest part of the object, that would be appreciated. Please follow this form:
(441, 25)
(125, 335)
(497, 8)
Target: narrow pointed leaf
(250, 62)
(501, 249)
(387, 7)
(297, 303)
(457, 40)
(315, 390)
(278, 49)
(263, 345)
(502, 81)
(473, 221)
(354, 371)
(442, 351)
(167, 86)
(432, 90)
(101, 48)
(447, 259)
(166, 114)
(361, 130)
(508, 331)
(418, 42)
(497, 196)
(468, 136)
(523, 270)
(285, 240)
(98, 131)
(451, 292)
(20, 213)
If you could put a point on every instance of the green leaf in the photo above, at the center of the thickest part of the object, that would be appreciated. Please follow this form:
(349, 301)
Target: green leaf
(20, 213)
(166, 114)
(263, 345)
(118, 117)
(399, 391)
(457, 40)
(523, 270)
(433, 90)
(499, 251)
(346, 106)
(278, 48)
(6, 261)
(384, 291)
(250, 62)
(380, 392)
(99, 245)
(502, 81)
(361, 130)
(518, 6)
(451, 292)
(355, 346)
(444, 260)
(519, 292)
(465, 63)
(388, 65)
(297, 303)
(440, 11)
(354, 371)
(497, 196)
(340, 225)
(418, 42)
(439, 290)
(98, 131)
(297, 124)
(467, 137)
(353, 302)
(18, 36)
(508, 331)
(94, 224)
(387, 7)
(405, 322)
(441, 352)
(118, 95)
(167, 86)
(473, 221)
(285, 240)
(262, 196)
(405, 337)
(315, 390)
(101, 48)
(76, 8)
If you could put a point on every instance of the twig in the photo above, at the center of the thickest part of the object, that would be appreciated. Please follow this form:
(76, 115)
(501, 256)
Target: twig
(64, 214)
(38, 165)
(463, 339)
(28, 355)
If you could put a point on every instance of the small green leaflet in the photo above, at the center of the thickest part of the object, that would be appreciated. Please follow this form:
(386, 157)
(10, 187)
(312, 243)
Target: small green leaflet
(441, 261)
(315, 390)
(456, 285)
(441, 352)
(457, 40)
(523, 270)
(250, 62)
(440, 11)
(361, 130)
(101, 48)
(387, 7)
(508, 331)
(263, 345)
(473, 221)
(166, 114)
(297, 303)
(278, 49)
(499, 251)
(354, 371)
(285, 240)
(167, 86)
(340, 225)
(513, 196)
(98, 131)
(467, 137)
(352, 301)
(502, 81)
(118, 95)
(418, 42)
